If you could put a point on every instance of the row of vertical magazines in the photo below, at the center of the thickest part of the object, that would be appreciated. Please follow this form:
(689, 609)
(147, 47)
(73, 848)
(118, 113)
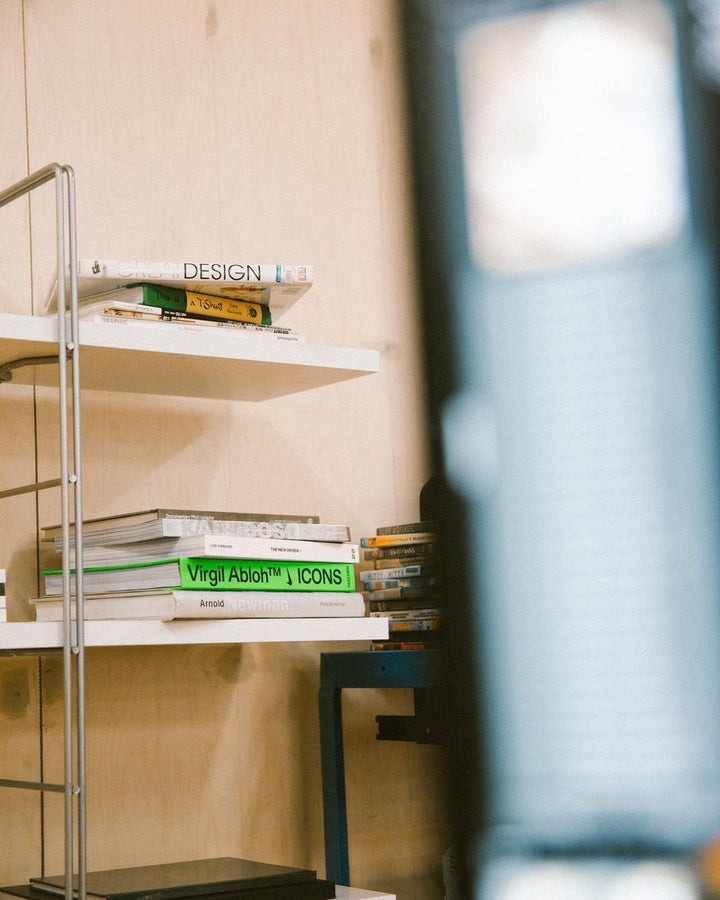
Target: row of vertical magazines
(189, 564)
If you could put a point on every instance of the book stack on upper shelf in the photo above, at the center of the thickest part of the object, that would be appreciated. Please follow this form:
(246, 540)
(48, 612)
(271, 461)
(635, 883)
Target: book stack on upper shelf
(404, 584)
(246, 297)
(222, 878)
(188, 564)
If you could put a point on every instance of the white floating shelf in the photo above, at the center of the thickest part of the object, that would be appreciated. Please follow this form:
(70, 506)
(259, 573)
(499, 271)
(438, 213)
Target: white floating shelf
(161, 359)
(136, 633)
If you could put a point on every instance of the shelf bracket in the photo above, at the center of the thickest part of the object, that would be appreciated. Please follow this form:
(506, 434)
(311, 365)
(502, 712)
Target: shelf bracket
(6, 370)
(32, 785)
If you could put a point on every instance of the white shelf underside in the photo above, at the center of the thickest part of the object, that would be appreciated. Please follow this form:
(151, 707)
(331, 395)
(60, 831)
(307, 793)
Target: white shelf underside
(135, 633)
(211, 363)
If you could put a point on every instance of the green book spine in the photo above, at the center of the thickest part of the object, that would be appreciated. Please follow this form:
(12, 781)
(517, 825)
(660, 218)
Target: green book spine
(180, 300)
(266, 575)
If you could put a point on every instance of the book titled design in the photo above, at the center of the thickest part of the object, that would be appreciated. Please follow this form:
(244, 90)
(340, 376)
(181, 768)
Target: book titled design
(214, 574)
(167, 604)
(277, 286)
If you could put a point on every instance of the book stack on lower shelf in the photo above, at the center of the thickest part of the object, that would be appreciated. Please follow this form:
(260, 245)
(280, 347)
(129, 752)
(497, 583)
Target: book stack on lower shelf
(194, 564)
(404, 584)
(222, 878)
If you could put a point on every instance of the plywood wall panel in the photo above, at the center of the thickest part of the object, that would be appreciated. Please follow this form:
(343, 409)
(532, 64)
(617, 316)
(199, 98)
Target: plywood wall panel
(265, 130)
(20, 811)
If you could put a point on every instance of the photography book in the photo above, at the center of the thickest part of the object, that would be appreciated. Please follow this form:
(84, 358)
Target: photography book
(152, 523)
(275, 285)
(190, 878)
(212, 574)
(218, 545)
(167, 604)
(179, 301)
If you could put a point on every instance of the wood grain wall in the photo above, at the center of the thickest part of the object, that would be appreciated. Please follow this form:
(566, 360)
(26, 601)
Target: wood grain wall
(268, 129)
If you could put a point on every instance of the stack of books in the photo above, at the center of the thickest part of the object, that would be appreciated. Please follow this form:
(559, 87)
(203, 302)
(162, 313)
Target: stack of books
(404, 584)
(247, 297)
(188, 564)
(3, 597)
(223, 878)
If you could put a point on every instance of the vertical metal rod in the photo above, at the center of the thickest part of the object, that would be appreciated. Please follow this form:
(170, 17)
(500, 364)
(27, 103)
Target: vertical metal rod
(65, 506)
(72, 642)
(77, 493)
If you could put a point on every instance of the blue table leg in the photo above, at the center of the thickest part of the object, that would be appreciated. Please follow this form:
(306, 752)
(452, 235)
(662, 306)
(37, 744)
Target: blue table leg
(359, 669)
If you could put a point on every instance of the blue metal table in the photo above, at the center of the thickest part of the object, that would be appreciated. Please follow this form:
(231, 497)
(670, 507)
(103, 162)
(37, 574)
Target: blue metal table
(417, 669)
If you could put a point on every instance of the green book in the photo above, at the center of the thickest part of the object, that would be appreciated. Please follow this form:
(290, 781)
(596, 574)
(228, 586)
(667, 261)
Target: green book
(190, 304)
(191, 573)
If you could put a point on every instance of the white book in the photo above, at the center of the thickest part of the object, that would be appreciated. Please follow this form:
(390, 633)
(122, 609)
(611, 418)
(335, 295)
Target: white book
(277, 286)
(397, 572)
(158, 534)
(219, 545)
(244, 332)
(169, 604)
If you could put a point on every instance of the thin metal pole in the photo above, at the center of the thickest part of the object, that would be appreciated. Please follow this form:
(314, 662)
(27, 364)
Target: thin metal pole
(72, 643)
(74, 348)
(65, 507)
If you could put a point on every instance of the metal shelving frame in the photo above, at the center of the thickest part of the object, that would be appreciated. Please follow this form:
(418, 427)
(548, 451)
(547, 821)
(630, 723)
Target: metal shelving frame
(70, 484)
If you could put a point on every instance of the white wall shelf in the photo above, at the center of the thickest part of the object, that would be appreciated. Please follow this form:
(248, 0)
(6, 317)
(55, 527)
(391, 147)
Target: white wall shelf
(156, 358)
(24, 636)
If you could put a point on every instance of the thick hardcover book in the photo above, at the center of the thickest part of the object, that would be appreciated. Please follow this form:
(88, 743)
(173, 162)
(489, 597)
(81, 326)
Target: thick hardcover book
(405, 626)
(408, 527)
(414, 581)
(407, 551)
(398, 540)
(185, 538)
(320, 889)
(402, 593)
(190, 878)
(277, 286)
(401, 562)
(429, 641)
(387, 606)
(430, 612)
(214, 574)
(178, 300)
(390, 571)
(172, 523)
(219, 545)
(165, 605)
(182, 323)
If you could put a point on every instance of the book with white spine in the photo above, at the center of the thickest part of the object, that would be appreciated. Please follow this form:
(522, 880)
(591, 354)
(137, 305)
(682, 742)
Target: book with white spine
(273, 284)
(218, 546)
(168, 604)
